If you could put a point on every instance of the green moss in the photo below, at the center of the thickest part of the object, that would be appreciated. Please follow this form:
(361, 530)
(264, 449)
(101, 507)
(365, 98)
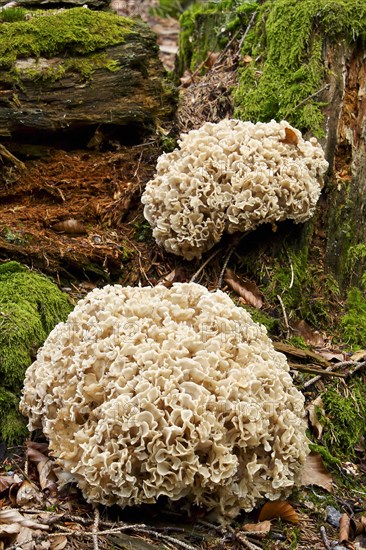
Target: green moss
(207, 27)
(290, 68)
(263, 318)
(78, 35)
(9, 15)
(345, 424)
(30, 307)
(285, 44)
(298, 342)
(353, 324)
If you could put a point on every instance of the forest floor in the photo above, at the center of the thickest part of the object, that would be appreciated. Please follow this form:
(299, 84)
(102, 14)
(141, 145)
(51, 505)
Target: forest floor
(74, 213)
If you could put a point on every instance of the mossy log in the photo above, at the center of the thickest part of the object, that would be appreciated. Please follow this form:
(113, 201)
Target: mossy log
(77, 68)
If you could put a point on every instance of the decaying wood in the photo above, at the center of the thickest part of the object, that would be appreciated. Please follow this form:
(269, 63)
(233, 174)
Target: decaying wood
(303, 354)
(133, 94)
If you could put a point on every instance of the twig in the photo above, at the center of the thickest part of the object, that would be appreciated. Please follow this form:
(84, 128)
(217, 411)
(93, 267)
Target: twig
(292, 269)
(240, 537)
(284, 315)
(11, 158)
(325, 538)
(232, 249)
(246, 32)
(227, 259)
(311, 96)
(341, 365)
(138, 528)
(195, 275)
(314, 369)
(96, 528)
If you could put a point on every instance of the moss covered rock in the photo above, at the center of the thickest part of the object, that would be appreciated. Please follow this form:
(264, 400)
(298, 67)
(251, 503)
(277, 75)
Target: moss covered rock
(30, 307)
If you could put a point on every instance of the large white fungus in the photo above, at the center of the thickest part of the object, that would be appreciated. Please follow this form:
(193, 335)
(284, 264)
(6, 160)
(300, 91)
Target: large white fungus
(232, 176)
(145, 392)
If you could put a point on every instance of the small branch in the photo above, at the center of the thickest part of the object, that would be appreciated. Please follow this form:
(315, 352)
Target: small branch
(325, 539)
(4, 153)
(315, 369)
(227, 259)
(195, 275)
(284, 316)
(292, 269)
(96, 528)
(311, 96)
(344, 364)
(246, 32)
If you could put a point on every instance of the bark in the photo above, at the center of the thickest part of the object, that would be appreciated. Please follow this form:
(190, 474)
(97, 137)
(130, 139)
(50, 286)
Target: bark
(346, 151)
(133, 94)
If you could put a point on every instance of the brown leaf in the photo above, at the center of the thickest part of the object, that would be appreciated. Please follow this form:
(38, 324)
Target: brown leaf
(358, 525)
(344, 528)
(311, 337)
(58, 543)
(45, 467)
(260, 529)
(279, 509)
(291, 137)
(330, 355)
(6, 482)
(314, 473)
(186, 80)
(247, 59)
(27, 492)
(359, 355)
(248, 291)
(71, 227)
(312, 409)
(211, 59)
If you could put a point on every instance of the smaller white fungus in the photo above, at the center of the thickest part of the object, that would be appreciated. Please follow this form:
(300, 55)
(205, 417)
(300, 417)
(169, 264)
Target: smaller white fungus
(149, 392)
(232, 176)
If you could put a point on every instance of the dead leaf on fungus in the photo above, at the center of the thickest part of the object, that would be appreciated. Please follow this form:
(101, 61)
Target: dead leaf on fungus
(260, 529)
(291, 137)
(279, 509)
(315, 473)
(344, 528)
(247, 290)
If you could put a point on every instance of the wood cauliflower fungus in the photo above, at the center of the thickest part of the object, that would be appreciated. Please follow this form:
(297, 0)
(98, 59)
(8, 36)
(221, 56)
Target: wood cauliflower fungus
(149, 392)
(232, 176)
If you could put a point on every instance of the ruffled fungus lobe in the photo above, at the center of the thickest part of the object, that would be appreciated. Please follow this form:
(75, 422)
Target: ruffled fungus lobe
(228, 177)
(146, 392)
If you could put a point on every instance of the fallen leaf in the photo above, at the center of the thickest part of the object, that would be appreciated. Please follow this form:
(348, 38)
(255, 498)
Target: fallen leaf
(359, 355)
(315, 473)
(279, 509)
(24, 539)
(260, 529)
(247, 59)
(358, 525)
(13, 517)
(311, 337)
(6, 482)
(58, 543)
(45, 466)
(332, 355)
(344, 528)
(248, 291)
(290, 137)
(28, 492)
(211, 59)
(313, 409)
(71, 227)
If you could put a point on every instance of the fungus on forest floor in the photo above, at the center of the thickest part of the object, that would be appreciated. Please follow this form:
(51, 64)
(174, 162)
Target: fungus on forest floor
(232, 176)
(149, 392)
